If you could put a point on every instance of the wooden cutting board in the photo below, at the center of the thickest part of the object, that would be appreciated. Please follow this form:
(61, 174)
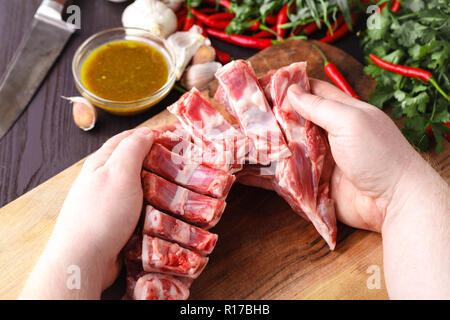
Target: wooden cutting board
(265, 251)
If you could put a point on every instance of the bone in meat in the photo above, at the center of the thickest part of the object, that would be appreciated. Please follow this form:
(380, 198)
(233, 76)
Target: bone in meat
(221, 140)
(190, 206)
(252, 111)
(154, 286)
(162, 225)
(169, 258)
(298, 178)
(187, 173)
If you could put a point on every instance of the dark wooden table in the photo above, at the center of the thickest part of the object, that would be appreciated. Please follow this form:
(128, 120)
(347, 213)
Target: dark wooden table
(44, 139)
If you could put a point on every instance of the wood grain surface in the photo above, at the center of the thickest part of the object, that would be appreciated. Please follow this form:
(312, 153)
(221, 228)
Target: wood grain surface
(264, 249)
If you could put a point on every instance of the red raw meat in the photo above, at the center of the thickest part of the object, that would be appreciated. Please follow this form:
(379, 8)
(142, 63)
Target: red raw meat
(265, 82)
(222, 98)
(246, 98)
(209, 129)
(154, 286)
(162, 225)
(179, 142)
(169, 258)
(197, 177)
(298, 178)
(193, 207)
(133, 265)
(286, 152)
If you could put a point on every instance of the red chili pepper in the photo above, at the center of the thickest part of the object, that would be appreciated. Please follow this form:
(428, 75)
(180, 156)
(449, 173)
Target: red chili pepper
(180, 23)
(218, 24)
(207, 10)
(245, 41)
(188, 23)
(222, 16)
(340, 32)
(310, 28)
(431, 135)
(223, 57)
(336, 76)
(282, 18)
(271, 19)
(382, 6)
(409, 72)
(296, 31)
(223, 3)
(181, 13)
(447, 136)
(430, 132)
(254, 26)
(336, 24)
(396, 5)
(265, 33)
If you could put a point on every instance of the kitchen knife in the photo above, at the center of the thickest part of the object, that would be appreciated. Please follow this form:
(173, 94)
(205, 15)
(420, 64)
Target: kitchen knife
(34, 57)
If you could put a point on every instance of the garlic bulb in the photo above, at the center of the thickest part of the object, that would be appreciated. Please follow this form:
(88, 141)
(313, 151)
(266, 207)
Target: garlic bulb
(151, 15)
(200, 75)
(184, 45)
(173, 4)
(84, 113)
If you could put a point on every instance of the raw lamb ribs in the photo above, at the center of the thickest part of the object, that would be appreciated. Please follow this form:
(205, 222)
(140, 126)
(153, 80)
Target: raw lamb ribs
(303, 178)
(187, 205)
(193, 164)
(246, 99)
(219, 139)
(159, 224)
(195, 176)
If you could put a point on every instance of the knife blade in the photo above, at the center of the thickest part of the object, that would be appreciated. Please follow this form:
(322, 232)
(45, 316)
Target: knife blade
(34, 57)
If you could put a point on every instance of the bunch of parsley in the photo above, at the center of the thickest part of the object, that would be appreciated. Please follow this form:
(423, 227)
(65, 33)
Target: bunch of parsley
(418, 36)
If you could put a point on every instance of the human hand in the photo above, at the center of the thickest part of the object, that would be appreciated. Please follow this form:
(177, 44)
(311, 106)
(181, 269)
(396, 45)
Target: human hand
(98, 217)
(380, 183)
(370, 152)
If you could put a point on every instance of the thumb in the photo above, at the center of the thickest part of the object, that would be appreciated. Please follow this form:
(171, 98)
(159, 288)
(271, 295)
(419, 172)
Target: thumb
(328, 114)
(131, 151)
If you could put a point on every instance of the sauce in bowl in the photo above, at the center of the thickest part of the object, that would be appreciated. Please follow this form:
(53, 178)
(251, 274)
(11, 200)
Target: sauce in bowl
(124, 70)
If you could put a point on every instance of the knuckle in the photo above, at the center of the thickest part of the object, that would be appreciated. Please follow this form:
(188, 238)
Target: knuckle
(317, 101)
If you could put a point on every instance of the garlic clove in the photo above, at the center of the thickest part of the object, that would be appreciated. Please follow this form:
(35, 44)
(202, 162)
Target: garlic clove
(204, 54)
(173, 4)
(200, 75)
(84, 113)
(184, 44)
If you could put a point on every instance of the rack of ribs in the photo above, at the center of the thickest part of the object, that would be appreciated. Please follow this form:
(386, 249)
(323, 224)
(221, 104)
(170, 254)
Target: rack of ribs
(193, 164)
(302, 179)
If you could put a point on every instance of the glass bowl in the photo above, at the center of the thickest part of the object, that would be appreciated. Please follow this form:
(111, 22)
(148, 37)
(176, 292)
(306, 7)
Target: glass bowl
(120, 34)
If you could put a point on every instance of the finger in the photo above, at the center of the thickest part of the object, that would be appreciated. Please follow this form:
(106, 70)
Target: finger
(131, 151)
(327, 90)
(328, 114)
(167, 127)
(99, 157)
